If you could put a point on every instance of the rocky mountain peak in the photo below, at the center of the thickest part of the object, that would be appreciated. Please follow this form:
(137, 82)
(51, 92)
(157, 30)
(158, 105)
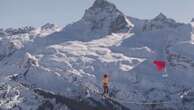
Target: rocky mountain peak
(160, 17)
(21, 30)
(160, 22)
(101, 9)
(48, 26)
(103, 15)
(102, 4)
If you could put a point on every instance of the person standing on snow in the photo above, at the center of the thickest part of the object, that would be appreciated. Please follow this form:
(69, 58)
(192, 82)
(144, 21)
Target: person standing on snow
(105, 84)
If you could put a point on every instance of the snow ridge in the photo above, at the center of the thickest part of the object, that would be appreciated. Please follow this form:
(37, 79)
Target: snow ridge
(45, 67)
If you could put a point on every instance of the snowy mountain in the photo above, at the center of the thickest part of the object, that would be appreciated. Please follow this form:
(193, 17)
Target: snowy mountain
(102, 19)
(61, 68)
(160, 22)
(23, 30)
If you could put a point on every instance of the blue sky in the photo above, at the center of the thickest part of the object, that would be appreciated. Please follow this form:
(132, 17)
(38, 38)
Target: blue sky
(16, 13)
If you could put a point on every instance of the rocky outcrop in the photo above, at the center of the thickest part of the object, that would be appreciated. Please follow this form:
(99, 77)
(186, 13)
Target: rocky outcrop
(160, 22)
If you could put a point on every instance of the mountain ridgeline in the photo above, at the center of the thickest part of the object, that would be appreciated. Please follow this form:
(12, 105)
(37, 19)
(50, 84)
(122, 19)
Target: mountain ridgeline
(61, 68)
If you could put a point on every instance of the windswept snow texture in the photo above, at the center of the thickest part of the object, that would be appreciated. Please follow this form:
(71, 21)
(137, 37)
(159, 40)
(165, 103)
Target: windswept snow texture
(60, 68)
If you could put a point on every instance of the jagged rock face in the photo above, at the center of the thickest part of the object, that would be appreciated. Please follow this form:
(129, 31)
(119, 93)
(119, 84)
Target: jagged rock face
(160, 17)
(104, 15)
(102, 4)
(40, 73)
(102, 19)
(26, 29)
(160, 22)
(48, 26)
(120, 24)
(8, 47)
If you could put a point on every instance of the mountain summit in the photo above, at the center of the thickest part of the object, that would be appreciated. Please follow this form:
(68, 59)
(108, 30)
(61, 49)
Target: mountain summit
(105, 15)
(103, 18)
(160, 17)
(102, 4)
(54, 68)
(160, 22)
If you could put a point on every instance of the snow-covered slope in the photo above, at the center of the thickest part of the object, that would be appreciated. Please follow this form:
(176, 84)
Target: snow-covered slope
(60, 68)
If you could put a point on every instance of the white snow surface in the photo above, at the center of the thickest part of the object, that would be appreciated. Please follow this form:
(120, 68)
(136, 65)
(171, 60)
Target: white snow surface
(72, 60)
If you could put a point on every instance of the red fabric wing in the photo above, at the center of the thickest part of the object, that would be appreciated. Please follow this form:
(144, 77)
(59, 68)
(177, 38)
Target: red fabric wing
(161, 65)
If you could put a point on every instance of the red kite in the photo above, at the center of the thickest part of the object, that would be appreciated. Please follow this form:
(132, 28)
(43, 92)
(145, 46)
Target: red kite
(161, 65)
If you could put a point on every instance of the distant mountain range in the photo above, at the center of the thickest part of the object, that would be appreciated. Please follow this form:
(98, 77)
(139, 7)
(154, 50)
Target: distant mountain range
(61, 68)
